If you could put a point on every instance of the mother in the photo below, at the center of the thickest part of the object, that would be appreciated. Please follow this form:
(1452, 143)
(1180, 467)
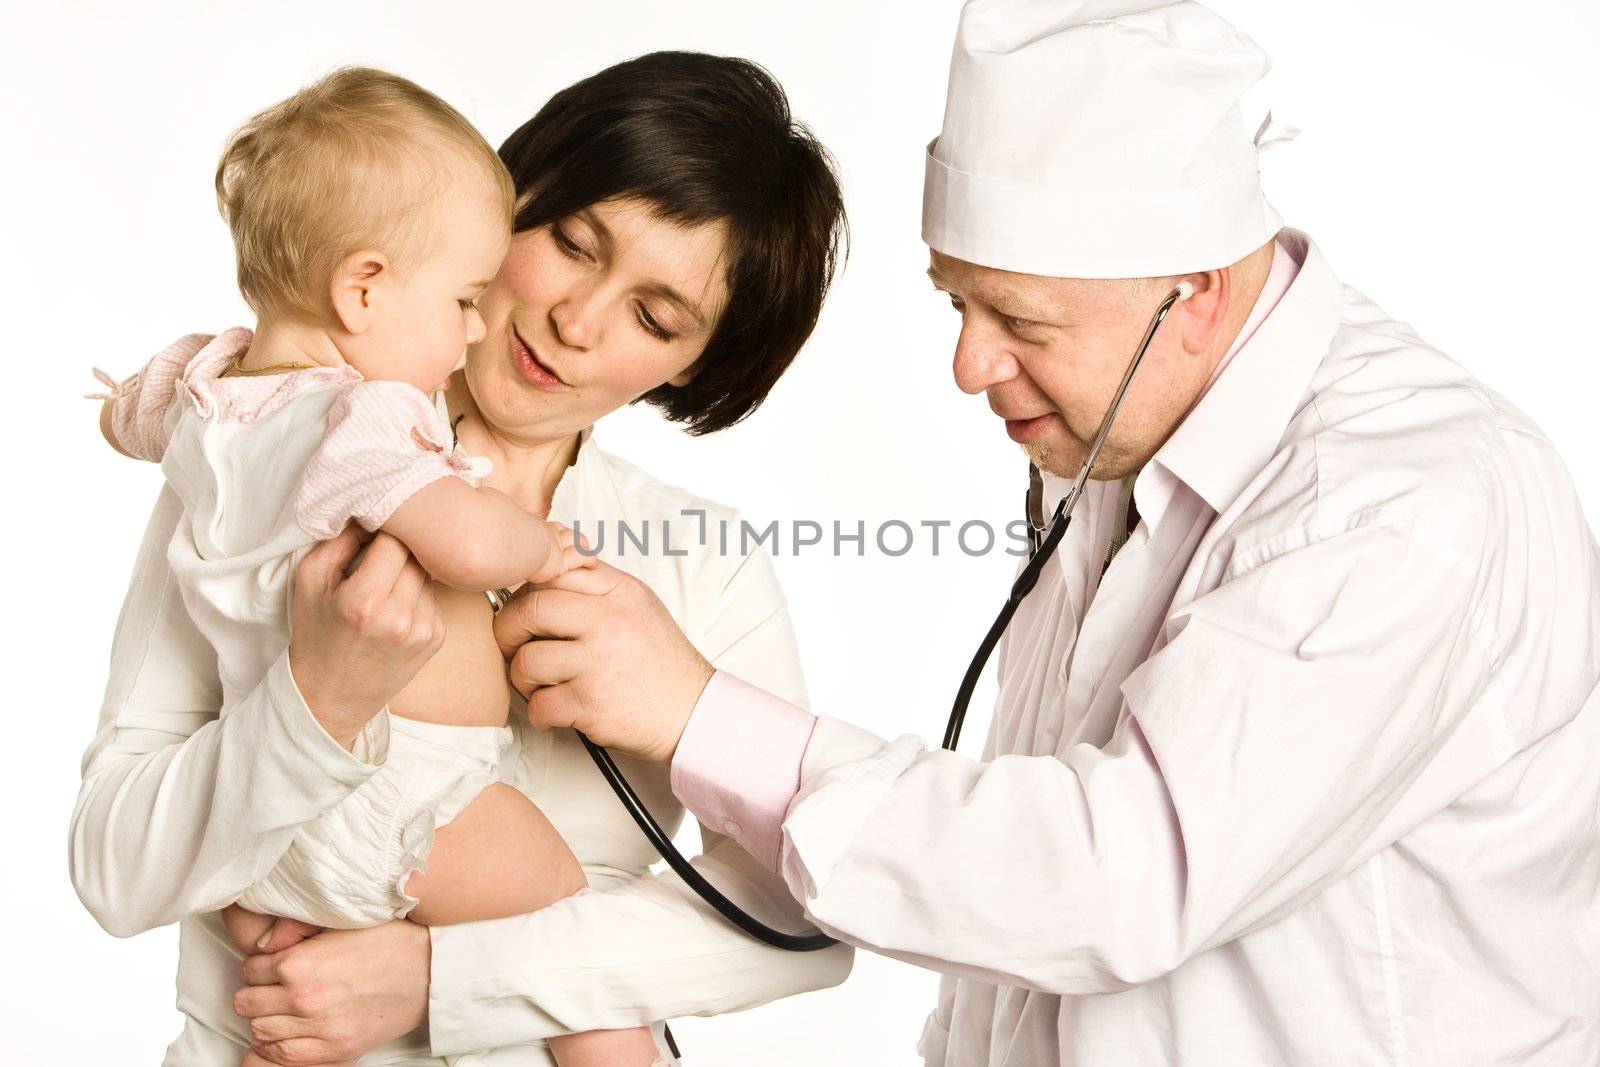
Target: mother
(676, 233)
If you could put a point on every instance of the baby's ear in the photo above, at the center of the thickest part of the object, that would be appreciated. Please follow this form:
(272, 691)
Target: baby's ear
(355, 287)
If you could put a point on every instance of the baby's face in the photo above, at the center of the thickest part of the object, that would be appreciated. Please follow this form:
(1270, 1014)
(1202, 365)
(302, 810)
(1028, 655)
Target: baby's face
(430, 313)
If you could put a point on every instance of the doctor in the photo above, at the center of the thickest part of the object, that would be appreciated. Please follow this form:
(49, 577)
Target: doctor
(1295, 754)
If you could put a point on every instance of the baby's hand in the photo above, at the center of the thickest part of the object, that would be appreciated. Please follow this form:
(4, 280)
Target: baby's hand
(569, 552)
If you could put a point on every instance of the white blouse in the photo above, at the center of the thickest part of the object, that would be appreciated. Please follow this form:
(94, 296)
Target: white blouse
(180, 810)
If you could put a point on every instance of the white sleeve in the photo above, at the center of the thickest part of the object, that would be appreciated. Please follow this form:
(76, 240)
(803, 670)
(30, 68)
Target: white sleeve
(649, 949)
(178, 810)
(1265, 751)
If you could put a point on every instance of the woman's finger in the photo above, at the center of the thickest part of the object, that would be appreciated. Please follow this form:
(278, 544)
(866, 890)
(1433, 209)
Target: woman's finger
(262, 969)
(281, 1027)
(258, 1001)
(285, 932)
(410, 579)
(299, 1050)
(380, 566)
(324, 566)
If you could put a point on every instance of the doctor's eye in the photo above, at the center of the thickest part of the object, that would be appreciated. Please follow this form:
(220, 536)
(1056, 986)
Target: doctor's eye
(957, 303)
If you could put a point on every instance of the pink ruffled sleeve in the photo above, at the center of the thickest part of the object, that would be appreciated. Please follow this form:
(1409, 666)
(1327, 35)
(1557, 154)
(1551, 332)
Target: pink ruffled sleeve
(384, 442)
(139, 404)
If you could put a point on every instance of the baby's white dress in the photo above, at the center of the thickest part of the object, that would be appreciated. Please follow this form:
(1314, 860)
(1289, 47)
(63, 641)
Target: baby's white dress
(266, 466)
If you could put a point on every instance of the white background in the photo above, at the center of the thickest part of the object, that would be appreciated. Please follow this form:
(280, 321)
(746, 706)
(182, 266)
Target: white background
(1447, 168)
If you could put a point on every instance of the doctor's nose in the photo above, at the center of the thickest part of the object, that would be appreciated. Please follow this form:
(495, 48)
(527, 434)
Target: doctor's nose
(981, 358)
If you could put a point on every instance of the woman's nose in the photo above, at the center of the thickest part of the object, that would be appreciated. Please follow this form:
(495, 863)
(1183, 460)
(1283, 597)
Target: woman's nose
(576, 316)
(981, 358)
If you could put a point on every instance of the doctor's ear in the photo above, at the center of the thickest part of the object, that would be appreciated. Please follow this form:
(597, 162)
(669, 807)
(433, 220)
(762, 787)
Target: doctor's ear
(356, 288)
(1204, 310)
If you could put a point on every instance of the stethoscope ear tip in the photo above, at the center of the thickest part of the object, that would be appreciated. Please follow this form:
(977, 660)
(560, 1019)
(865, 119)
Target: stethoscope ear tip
(1185, 290)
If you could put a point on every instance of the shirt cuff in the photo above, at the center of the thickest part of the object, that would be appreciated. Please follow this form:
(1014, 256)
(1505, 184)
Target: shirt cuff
(737, 767)
(293, 732)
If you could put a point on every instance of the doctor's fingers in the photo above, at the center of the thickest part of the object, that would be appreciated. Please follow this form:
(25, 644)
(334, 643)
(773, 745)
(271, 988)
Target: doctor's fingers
(556, 706)
(545, 662)
(545, 612)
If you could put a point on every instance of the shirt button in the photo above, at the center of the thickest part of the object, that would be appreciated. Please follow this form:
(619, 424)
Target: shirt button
(731, 828)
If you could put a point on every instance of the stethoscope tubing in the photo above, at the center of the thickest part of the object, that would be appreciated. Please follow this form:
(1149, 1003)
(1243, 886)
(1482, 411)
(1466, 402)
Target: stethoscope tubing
(1056, 530)
(1053, 532)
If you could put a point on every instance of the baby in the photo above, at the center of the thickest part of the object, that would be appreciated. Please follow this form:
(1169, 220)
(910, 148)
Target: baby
(367, 217)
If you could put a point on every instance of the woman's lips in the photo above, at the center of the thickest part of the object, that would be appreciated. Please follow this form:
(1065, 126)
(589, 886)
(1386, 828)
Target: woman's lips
(1026, 431)
(529, 367)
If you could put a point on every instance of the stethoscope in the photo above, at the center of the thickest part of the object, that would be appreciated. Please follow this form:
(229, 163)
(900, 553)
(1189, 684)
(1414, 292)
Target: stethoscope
(1043, 538)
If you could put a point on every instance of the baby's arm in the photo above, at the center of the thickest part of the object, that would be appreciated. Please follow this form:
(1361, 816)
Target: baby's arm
(474, 538)
(107, 422)
(133, 418)
(387, 461)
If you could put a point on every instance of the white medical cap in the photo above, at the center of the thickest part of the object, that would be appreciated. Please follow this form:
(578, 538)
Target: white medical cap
(1097, 139)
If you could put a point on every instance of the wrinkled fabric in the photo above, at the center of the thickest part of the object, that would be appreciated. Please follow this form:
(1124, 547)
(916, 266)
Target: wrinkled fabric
(1306, 778)
(180, 810)
(1098, 139)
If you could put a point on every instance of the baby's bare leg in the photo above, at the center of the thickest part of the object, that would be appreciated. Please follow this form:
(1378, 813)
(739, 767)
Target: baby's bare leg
(502, 857)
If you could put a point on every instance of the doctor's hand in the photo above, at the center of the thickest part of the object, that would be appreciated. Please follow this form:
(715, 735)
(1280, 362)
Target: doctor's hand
(596, 650)
(357, 638)
(336, 996)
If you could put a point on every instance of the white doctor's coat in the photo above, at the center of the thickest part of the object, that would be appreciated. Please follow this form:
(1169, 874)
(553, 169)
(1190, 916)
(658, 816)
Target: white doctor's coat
(1310, 777)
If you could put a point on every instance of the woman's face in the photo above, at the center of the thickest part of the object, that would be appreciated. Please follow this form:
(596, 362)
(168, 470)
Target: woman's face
(590, 312)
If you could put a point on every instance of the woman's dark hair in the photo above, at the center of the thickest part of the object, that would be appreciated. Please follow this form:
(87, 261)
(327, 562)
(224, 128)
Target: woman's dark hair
(701, 138)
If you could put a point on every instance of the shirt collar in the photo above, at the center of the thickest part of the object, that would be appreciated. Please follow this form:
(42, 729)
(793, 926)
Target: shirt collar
(572, 499)
(1235, 428)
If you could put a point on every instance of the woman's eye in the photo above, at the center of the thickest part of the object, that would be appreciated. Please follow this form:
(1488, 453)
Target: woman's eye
(651, 326)
(567, 245)
(467, 305)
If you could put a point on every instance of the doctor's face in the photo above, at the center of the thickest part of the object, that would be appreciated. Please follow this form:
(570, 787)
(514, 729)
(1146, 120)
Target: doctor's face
(1049, 353)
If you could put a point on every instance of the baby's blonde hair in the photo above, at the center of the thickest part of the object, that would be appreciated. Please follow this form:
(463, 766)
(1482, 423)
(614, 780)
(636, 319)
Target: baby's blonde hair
(341, 165)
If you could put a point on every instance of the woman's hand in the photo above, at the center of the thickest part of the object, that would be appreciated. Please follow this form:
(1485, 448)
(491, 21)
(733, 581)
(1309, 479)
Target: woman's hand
(596, 650)
(358, 638)
(338, 995)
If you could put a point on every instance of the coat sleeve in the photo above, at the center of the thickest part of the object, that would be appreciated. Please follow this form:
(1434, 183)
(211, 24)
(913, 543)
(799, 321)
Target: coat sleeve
(648, 949)
(1268, 748)
(179, 810)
